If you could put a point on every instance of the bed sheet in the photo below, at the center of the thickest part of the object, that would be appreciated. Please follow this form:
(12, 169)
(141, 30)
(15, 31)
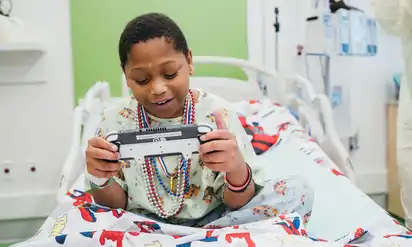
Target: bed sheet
(295, 152)
(339, 206)
(270, 123)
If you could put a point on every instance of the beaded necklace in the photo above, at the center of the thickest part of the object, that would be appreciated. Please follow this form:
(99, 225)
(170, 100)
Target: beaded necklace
(149, 168)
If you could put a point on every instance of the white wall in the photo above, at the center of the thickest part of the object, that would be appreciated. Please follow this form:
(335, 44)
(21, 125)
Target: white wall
(36, 119)
(367, 78)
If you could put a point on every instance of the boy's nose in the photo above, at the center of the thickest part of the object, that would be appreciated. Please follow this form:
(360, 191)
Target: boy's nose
(158, 87)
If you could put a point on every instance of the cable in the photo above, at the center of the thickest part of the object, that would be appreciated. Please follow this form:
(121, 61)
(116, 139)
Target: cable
(277, 30)
(277, 24)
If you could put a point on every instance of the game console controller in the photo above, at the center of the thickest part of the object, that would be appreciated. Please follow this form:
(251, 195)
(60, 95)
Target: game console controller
(152, 142)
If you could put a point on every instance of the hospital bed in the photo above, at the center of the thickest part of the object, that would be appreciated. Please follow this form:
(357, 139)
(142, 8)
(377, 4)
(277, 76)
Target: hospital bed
(313, 109)
(338, 202)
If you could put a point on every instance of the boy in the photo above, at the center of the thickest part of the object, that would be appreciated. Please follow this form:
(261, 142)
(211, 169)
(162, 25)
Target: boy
(218, 187)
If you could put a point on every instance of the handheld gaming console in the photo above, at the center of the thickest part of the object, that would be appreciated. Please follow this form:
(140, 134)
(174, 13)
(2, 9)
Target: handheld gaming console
(150, 142)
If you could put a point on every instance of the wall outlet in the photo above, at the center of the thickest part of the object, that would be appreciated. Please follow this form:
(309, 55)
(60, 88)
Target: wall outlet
(6, 171)
(32, 166)
(354, 142)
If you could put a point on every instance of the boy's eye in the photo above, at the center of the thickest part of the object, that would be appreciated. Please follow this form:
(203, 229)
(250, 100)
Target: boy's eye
(170, 76)
(142, 82)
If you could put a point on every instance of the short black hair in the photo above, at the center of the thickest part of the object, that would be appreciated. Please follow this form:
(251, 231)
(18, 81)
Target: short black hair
(150, 26)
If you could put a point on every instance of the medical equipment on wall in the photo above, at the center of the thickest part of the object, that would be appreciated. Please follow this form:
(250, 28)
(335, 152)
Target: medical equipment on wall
(345, 33)
(372, 38)
(319, 68)
(362, 33)
(351, 33)
(11, 28)
(336, 32)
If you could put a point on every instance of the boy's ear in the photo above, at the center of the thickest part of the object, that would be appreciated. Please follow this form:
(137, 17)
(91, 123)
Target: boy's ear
(190, 62)
(124, 74)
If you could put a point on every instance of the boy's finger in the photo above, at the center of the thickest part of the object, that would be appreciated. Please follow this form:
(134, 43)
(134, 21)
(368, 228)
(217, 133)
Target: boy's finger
(101, 143)
(214, 157)
(220, 122)
(214, 146)
(221, 134)
(101, 154)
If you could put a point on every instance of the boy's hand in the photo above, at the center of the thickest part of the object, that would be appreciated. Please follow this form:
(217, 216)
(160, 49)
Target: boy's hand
(99, 153)
(221, 153)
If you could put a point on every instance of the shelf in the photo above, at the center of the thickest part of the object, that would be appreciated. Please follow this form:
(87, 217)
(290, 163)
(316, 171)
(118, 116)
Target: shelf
(22, 47)
(23, 82)
(22, 63)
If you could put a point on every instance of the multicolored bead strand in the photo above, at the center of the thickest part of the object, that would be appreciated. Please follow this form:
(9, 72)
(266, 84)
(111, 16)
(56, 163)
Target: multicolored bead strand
(183, 169)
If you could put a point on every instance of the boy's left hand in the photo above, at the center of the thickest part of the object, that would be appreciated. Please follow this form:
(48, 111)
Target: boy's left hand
(221, 153)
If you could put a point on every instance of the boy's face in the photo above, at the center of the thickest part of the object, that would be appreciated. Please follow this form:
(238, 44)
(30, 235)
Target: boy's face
(158, 76)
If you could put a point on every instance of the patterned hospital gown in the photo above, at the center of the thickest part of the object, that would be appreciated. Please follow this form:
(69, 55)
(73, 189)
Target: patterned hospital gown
(203, 205)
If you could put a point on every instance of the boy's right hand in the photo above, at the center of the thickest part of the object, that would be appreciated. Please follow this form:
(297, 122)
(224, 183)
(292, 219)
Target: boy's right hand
(100, 155)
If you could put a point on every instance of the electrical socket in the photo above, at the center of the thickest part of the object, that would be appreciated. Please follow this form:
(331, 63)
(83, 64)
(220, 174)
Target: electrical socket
(354, 142)
(31, 166)
(6, 169)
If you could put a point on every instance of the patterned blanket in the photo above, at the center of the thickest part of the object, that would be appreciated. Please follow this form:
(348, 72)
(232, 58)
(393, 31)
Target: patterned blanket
(268, 123)
(83, 223)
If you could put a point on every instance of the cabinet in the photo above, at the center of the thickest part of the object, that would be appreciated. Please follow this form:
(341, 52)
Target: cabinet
(394, 205)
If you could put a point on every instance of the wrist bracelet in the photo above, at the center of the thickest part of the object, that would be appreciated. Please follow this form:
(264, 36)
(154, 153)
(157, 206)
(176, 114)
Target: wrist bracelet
(240, 189)
(98, 183)
(94, 186)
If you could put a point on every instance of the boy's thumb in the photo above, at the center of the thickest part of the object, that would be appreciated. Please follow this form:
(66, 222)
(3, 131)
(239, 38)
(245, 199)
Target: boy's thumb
(220, 122)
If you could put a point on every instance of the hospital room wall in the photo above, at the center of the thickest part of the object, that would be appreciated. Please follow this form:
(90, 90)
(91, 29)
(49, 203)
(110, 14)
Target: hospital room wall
(367, 77)
(36, 119)
(213, 27)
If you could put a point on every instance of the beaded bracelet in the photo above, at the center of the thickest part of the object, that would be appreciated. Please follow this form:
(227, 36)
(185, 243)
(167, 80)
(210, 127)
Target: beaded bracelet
(240, 189)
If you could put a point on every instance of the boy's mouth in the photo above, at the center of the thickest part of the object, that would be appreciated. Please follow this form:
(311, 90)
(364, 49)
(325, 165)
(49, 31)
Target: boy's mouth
(163, 102)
